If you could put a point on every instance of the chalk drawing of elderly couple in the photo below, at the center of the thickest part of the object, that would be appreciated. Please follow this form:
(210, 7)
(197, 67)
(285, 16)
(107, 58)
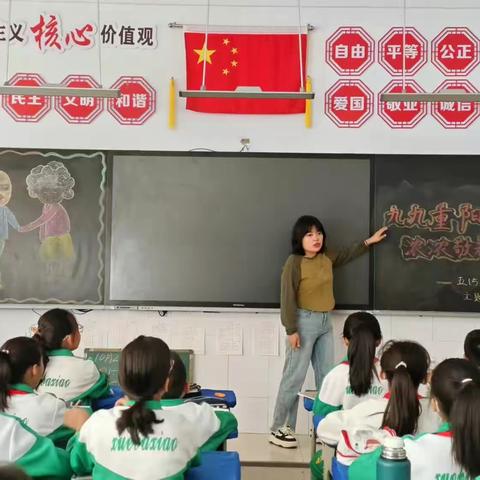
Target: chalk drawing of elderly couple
(50, 184)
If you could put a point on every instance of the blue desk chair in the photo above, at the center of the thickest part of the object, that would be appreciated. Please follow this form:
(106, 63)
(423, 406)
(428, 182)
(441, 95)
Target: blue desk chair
(226, 396)
(339, 471)
(108, 402)
(216, 466)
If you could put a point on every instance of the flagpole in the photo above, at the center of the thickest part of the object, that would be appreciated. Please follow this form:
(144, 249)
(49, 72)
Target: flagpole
(205, 49)
(171, 105)
(308, 105)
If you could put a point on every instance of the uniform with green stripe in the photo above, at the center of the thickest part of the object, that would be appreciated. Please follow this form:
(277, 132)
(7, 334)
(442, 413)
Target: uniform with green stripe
(171, 449)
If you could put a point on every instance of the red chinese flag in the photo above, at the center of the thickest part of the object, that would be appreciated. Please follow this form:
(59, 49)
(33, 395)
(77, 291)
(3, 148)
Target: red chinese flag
(270, 61)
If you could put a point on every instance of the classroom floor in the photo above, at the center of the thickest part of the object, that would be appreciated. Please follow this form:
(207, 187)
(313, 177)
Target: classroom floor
(263, 461)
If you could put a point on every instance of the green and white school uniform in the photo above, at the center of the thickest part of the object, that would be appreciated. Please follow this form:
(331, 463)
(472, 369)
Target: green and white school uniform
(166, 453)
(430, 456)
(336, 392)
(72, 378)
(228, 422)
(35, 454)
(357, 430)
(43, 413)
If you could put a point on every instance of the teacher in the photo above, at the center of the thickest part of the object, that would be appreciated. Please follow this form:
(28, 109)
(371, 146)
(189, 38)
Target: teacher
(306, 300)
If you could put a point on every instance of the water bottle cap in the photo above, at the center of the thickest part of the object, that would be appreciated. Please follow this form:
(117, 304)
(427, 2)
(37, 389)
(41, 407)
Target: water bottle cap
(394, 442)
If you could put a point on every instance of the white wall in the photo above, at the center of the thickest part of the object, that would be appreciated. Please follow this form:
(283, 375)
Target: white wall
(254, 379)
(281, 133)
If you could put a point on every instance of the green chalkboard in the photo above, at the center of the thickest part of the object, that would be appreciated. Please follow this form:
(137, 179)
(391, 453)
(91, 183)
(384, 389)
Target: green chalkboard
(107, 360)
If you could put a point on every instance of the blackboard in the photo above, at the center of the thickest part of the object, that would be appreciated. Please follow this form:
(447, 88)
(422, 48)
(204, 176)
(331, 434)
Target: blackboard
(107, 361)
(59, 200)
(214, 230)
(431, 260)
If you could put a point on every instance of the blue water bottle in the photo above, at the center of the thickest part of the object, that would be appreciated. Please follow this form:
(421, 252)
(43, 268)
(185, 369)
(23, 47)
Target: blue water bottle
(393, 464)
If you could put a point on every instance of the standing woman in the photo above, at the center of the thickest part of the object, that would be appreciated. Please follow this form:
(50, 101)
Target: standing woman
(306, 300)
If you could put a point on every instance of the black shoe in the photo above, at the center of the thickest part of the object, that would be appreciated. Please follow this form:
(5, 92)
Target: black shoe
(283, 437)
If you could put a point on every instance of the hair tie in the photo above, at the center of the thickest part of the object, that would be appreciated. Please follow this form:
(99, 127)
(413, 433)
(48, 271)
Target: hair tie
(467, 380)
(5, 351)
(400, 364)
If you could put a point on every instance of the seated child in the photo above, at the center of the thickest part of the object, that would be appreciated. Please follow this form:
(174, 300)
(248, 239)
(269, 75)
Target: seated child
(472, 347)
(21, 369)
(142, 437)
(452, 451)
(36, 455)
(66, 376)
(402, 410)
(357, 377)
(178, 387)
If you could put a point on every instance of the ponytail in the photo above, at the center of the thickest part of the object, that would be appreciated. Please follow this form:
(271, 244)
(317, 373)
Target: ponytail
(403, 408)
(361, 358)
(17, 355)
(465, 425)
(456, 388)
(137, 420)
(5, 379)
(405, 365)
(363, 333)
(143, 373)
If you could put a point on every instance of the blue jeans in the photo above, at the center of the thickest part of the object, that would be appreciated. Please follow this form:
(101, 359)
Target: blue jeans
(316, 345)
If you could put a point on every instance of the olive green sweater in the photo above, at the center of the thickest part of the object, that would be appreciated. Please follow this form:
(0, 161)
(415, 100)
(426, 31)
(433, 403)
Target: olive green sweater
(308, 282)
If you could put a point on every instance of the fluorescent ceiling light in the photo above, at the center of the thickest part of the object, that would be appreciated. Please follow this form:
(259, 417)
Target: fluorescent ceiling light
(442, 96)
(245, 92)
(53, 90)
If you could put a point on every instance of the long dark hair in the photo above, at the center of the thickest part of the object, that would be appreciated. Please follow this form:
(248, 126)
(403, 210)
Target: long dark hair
(144, 369)
(471, 347)
(405, 365)
(363, 333)
(17, 355)
(54, 326)
(302, 226)
(177, 378)
(456, 387)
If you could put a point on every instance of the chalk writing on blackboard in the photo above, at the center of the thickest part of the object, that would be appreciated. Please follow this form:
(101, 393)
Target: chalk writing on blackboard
(442, 219)
(107, 362)
(457, 249)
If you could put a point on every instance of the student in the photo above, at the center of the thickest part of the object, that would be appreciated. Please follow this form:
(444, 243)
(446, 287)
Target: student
(472, 347)
(306, 299)
(402, 410)
(35, 454)
(357, 377)
(135, 440)
(21, 369)
(452, 451)
(177, 380)
(66, 376)
(178, 387)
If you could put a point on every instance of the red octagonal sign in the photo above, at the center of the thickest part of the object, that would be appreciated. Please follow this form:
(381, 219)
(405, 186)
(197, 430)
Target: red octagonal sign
(79, 109)
(455, 51)
(456, 114)
(349, 103)
(26, 108)
(137, 102)
(402, 114)
(391, 51)
(350, 51)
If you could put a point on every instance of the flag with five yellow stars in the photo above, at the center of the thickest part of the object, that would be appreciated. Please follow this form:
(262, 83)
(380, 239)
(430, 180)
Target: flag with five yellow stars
(270, 61)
